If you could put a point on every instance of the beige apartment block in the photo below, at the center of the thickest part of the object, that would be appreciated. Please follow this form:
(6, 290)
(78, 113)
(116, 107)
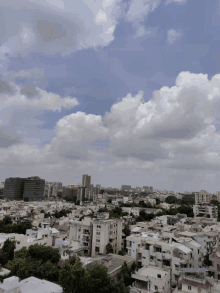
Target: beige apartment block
(202, 197)
(205, 210)
(104, 232)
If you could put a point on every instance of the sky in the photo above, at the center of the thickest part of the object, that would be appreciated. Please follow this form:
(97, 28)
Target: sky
(127, 91)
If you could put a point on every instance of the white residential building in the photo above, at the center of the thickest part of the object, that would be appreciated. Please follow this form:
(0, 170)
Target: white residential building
(151, 279)
(31, 284)
(104, 232)
(150, 249)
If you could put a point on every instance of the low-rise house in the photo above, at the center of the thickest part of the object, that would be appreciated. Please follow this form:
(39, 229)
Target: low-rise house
(113, 262)
(30, 284)
(151, 279)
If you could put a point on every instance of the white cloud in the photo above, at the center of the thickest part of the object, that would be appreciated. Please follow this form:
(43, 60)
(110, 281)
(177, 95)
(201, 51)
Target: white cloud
(36, 73)
(173, 135)
(56, 26)
(75, 133)
(139, 9)
(137, 13)
(181, 2)
(173, 35)
(19, 107)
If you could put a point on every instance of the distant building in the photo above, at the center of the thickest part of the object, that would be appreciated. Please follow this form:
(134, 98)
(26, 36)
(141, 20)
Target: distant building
(34, 189)
(126, 187)
(14, 188)
(202, 197)
(86, 180)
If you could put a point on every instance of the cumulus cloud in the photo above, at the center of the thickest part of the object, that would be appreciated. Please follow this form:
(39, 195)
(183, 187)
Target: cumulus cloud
(19, 107)
(5, 87)
(75, 133)
(54, 27)
(176, 122)
(172, 133)
(173, 35)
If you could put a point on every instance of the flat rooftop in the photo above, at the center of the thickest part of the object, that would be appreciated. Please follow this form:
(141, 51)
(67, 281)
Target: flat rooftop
(152, 271)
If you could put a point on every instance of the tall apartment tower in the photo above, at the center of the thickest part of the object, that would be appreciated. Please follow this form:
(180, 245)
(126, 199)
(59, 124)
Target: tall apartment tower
(13, 189)
(86, 180)
(34, 189)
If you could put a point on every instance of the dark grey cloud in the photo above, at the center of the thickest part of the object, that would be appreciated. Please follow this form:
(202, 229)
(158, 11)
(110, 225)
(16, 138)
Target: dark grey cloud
(29, 92)
(5, 87)
(8, 137)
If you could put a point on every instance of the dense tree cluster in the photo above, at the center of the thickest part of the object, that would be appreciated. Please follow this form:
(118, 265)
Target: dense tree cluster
(58, 214)
(42, 262)
(6, 226)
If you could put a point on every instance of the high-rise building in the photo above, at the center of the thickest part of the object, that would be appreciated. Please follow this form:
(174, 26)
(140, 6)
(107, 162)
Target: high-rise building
(28, 189)
(34, 189)
(13, 189)
(86, 180)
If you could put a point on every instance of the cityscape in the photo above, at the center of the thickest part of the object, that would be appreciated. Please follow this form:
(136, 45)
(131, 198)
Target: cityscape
(145, 240)
(109, 146)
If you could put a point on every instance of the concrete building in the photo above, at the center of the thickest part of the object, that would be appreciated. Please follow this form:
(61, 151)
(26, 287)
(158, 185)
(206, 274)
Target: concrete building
(34, 189)
(214, 268)
(86, 180)
(104, 232)
(149, 249)
(151, 279)
(31, 284)
(205, 210)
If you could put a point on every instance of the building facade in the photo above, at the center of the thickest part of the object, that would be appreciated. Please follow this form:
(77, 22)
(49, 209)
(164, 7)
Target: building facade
(86, 180)
(34, 189)
(14, 188)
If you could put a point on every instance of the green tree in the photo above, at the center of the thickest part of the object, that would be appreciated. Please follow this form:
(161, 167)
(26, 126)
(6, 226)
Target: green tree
(20, 267)
(214, 202)
(97, 279)
(157, 201)
(22, 253)
(109, 248)
(72, 277)
(126, 230)
(7, 252)
(125, 274)
(207, 262)
(44, 253)
(7, 220)
(170, 199)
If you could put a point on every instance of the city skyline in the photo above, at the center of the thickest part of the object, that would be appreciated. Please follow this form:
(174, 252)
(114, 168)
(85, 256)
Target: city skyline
(127, 91)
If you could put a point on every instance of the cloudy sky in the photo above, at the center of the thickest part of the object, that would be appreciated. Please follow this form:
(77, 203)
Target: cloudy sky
(127, 91)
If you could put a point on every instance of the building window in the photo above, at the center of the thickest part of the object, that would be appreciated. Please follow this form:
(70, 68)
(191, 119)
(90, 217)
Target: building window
(218, 277)
(98, 233)
(156, 287)
(97, 240)
(159, 276)
(189, 287)
(98, 226)
(96, 249)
